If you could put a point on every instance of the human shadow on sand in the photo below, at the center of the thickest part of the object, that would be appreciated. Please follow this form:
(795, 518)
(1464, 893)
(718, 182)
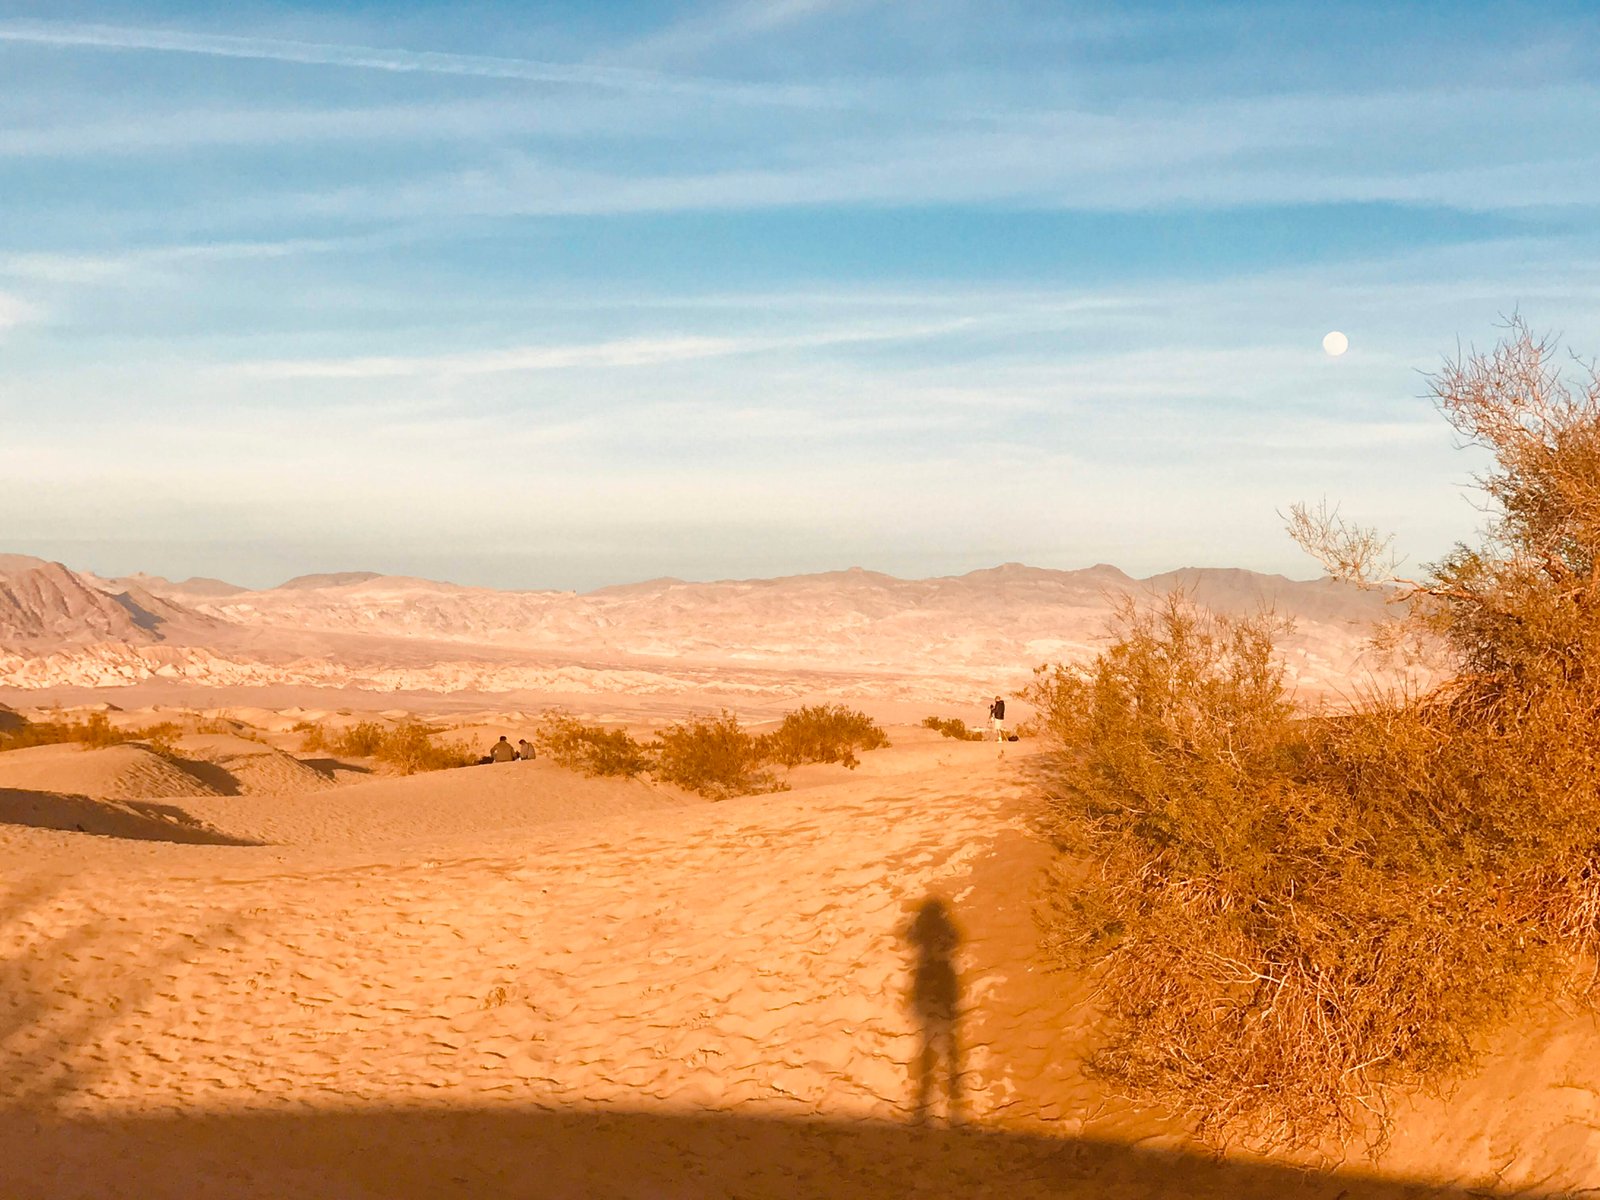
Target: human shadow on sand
(442, 1152)
(935, 1002)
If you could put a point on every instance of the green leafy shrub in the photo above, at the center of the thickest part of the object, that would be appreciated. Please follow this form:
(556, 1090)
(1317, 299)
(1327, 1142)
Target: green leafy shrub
(822, 733)
(952, 727)
(591, 749)
(715, 757)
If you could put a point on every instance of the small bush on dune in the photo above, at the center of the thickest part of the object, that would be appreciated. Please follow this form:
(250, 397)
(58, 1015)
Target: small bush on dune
(161, 738)
(715, 757)
(409, 746)
(48, 733)
(712, 756)
(313, 737)
(365, 739)
(96, 732)
(823, 733)
(591, 749)
(952, 727)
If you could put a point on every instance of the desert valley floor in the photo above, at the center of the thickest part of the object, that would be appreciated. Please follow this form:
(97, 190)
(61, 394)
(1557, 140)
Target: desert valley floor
(243, 970)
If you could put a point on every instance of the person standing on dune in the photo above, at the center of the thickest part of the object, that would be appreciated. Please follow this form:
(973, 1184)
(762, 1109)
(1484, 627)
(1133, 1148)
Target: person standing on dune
(997, 719)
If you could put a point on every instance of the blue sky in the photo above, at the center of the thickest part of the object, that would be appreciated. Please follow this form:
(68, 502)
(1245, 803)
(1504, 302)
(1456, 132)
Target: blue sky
(547, 295)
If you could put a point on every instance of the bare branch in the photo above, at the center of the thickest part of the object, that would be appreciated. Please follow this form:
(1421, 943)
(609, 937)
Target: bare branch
(1353, 553)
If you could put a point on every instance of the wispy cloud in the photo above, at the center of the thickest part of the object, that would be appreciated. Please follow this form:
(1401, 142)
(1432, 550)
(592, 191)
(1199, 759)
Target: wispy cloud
(622, 353)
(1287, 150)
(103, 268)
(14, 311)
(732, 23)
(480, 66)
(238, 127)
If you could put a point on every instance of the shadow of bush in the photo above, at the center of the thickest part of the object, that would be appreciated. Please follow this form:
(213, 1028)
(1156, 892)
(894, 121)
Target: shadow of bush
(401, 1153)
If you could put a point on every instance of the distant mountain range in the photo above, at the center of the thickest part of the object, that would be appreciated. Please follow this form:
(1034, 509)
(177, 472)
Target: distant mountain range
(60, 627)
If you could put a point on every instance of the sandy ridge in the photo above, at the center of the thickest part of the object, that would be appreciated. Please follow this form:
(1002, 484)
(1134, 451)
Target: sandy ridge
(591, 970)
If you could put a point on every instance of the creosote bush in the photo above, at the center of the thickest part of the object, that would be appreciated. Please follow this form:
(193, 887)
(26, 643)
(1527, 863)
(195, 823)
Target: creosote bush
(411, 747)
(822, 733)
(408, 746)
(591, 749)
(96, 732)
(953, 727)
(715, 757)
(1290, 914)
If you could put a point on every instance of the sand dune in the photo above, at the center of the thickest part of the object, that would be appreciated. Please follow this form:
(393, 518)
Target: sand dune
(234, 766)
(128, 772)
(480, 805)
(512, 980)
(134, 820)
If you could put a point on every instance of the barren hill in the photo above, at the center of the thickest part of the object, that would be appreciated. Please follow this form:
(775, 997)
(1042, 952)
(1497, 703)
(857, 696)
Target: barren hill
(926, 637)
(47, 602)
(197, 585)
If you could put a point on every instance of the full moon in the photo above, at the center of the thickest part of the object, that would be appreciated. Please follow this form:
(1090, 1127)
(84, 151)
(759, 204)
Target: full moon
(1336, 343)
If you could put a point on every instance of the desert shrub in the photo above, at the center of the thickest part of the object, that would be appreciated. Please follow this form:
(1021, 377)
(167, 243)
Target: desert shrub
(713, 756)
(952, 727)
(821, 733)
(592, 749)
(95, 731)
(313, 737)
(40, 733)
(1291, 913)
(161, 737)
(409, 746)
(98, 731)
(1278, 925)
(365, 739)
